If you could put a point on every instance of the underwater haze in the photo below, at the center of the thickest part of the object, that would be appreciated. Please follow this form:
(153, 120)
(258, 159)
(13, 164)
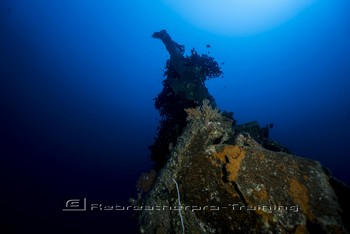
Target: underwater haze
(78, 79)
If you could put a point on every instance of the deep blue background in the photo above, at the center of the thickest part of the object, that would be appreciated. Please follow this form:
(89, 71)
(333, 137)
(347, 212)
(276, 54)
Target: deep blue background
(77, 79)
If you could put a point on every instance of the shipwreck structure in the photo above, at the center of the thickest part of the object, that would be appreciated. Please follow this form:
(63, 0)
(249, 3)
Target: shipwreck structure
(212, 176)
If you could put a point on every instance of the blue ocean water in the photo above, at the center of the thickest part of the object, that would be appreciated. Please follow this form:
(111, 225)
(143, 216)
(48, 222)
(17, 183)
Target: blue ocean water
(77, 82)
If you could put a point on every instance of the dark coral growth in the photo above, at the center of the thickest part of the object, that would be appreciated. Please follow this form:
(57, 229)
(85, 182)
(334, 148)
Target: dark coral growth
(206, 67)
(185, 75)
(183, 88)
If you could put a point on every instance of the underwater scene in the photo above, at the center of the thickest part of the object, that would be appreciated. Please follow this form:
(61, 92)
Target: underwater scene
(174, 116)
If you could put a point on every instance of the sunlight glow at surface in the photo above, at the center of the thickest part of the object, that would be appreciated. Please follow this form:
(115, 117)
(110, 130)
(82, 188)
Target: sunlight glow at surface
(237, 17)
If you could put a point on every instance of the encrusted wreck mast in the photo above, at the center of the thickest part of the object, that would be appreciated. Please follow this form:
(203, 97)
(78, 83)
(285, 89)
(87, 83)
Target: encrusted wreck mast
(212, 176)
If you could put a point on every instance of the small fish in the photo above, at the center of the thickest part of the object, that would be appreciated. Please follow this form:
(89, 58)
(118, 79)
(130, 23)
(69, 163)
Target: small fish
(208, 46)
